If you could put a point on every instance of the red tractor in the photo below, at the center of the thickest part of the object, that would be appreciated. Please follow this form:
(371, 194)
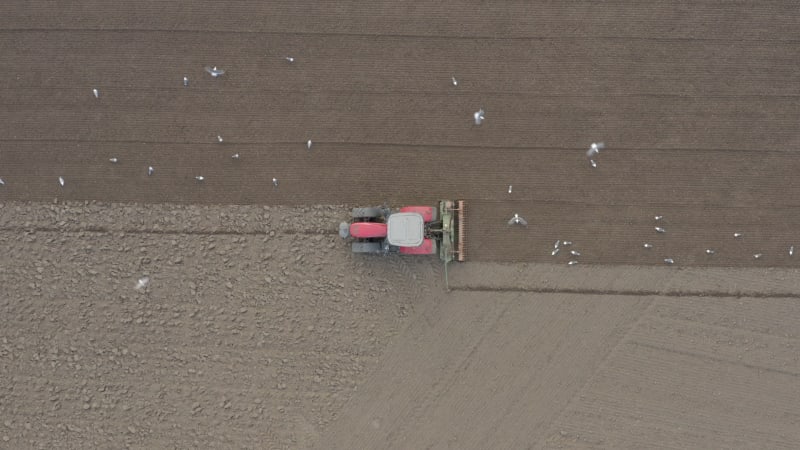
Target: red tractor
(412, 230)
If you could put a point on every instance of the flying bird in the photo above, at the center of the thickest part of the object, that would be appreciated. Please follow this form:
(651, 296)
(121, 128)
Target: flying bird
(142, 283)
(214, 72)
(595, 148)
(479, 116)
(517, 220)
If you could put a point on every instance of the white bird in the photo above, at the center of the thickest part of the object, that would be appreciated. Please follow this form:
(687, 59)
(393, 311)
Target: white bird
(658, 217)
(235, 156)
(96, 93)
(509, 188)
(61, 181)
(2, 183)
(150, 170)
(479, 116)
(593, 163)
(275, 182)
(308, 144)
(558, 242)
(289, 59)
(646, 245)
(791, 248)
(660, 230)
(595, 149)
(758, 255)
(572, 263)
(517, 220)
(565, 243)
(219, 139)
(454, 81)
(574, 253)
(669, 261)
(199, 178)
(555, 252)
(142, 283)
(185, 81)
(737, 235)
(214, 72)
(710, 252)
(113, 160)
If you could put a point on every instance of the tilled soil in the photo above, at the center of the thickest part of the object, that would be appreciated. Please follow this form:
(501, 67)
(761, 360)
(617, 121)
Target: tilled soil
(259, 329)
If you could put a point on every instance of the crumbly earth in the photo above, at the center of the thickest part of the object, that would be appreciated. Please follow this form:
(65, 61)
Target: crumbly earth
(259, 329)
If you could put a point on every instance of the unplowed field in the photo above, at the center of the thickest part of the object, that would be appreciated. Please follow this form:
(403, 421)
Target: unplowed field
(260, 330)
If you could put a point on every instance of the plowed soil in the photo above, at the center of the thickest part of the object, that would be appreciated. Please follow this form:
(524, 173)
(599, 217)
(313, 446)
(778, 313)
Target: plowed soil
(260, 330)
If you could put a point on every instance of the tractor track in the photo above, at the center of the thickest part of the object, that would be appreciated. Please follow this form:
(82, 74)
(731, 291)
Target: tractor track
(625, 292)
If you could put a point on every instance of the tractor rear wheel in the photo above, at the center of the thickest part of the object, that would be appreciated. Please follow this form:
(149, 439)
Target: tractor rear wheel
(367, 213)
(367, 247)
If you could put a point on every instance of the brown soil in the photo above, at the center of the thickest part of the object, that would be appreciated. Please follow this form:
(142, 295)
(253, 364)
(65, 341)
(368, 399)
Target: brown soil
(259, 328)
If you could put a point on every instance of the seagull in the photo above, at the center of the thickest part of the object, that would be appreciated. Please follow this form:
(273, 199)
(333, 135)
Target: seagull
(660, 230)
(61, 181)
(454, 81)
(565, 243)
(142, 283)
(710, 252)
(3, 183)
(219, 139)
(791, 248)
(289, 59)
(308, 144)
(574, 253)
(658, 217)
(737, 235)
(572, 263)
(214, 72)
(478, 116)
(595, 148)
(517, 220)
(558, 242)
(150, 170)
(199, 178)
(235, 156)
(669, 261)
(646, 245)
(185, 81)
(509, 188)
(113, 160)
(96, 93)
(275, 182)
(593, 163)
(758, 255)
(555, 252)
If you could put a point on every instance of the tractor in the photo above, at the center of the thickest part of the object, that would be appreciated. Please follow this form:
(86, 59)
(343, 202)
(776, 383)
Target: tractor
(411, 230)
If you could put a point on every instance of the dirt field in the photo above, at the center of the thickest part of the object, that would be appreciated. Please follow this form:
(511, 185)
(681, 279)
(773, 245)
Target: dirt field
(260, 330)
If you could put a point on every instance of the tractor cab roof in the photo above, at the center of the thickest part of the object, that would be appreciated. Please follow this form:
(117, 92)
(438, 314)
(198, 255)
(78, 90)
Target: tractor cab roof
(406, 229)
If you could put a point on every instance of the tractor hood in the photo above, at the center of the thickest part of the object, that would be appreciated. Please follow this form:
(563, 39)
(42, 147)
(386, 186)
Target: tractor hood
(406, 229)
